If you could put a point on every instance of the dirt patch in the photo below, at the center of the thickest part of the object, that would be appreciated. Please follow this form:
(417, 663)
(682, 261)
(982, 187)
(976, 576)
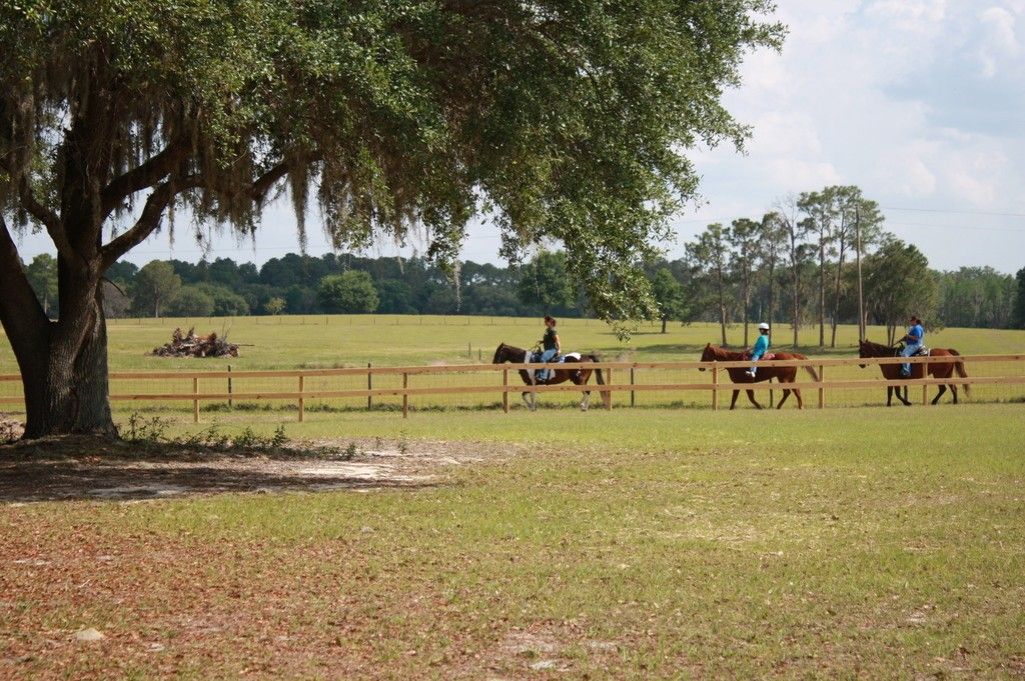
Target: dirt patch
(84, 468)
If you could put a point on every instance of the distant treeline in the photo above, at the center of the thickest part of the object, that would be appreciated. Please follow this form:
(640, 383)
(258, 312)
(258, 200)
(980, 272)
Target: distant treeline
(685, 290)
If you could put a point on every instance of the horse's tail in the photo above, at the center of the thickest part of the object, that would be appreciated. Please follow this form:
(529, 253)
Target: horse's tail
(809, 369)
(959, 367)
(597, 372)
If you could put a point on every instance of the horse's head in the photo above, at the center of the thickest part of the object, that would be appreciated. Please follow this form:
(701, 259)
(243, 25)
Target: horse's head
(500, 354)
(708, 355)
(862, 349)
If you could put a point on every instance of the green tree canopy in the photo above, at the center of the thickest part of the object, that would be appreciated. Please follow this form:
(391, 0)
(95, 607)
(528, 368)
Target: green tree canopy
(156, 284)
(191, 301)
(1018, 314)
(274, 306)
(668, 294)
(545, 283)
(42, 274)
(898, 284)
(350, 292)
(562, 121)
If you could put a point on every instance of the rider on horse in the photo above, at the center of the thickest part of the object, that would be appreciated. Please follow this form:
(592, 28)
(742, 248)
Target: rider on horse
(760, 348)
(912, 344)
(552, 347)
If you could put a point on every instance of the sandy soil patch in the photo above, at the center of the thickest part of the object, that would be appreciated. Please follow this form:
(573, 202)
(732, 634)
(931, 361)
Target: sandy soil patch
(82, 468)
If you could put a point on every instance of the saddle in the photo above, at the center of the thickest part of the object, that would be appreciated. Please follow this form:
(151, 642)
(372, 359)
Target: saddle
(922, 351)
(558, 359)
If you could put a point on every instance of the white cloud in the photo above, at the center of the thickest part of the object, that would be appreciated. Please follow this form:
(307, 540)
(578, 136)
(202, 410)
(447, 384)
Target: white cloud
(998, 40)
(888, 95)
(909, 15)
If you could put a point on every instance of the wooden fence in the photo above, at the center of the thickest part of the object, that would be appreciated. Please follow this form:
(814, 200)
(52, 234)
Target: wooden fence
(619, 378)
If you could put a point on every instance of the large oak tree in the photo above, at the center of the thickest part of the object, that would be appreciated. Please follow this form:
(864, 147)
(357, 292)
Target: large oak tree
(562, 120)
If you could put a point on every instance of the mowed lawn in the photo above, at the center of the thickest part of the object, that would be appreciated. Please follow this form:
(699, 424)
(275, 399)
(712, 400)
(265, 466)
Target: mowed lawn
(632, 544)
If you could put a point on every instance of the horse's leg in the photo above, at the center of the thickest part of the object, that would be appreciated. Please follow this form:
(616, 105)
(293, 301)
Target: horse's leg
(733, 402)
(939, 393)
(530, 399)
(953, 391)
(889, 395)
(580, 377)
(783, 398)
(751, 396)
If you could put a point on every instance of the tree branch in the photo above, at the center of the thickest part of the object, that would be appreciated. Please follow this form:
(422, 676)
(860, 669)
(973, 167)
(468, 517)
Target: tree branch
(142, 176)
(20, 312)
(47, 217)
(162, 196)
(262, 185)
(156, 203)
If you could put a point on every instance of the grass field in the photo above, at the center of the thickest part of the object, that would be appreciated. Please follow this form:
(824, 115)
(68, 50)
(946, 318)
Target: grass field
(646, 544)
(354, 341)
(293, 342)
(636, 543)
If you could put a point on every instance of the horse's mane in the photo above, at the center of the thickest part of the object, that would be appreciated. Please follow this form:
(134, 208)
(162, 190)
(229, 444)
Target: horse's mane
(505, 347)
(723, 353)
(882, 350)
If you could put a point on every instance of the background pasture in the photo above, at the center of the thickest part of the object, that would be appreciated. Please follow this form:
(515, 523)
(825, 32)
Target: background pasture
(335, 341)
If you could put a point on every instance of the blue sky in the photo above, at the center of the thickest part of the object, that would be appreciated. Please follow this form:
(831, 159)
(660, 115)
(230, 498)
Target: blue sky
(921, 103)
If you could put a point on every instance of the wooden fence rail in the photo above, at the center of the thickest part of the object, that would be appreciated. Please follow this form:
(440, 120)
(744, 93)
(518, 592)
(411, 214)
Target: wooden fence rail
(713, 385)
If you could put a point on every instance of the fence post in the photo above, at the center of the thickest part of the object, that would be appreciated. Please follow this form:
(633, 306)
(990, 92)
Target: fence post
(302, 400)
(405, 397)
(505, 392)
(715, 389)
(631, 383)
(822, 391)
(231, 402)
(195, 399)
(608, 403)
(370, 386)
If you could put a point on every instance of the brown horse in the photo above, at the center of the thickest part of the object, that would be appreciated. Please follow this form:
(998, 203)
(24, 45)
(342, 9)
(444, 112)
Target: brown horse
(560, 372)
(891, 372)
(714, 353)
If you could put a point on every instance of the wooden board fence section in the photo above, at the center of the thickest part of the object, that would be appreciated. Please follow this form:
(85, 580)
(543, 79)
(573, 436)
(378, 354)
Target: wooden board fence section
(712, 387)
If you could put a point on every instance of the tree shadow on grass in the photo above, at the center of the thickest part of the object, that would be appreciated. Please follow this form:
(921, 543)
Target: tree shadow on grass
(74, 470)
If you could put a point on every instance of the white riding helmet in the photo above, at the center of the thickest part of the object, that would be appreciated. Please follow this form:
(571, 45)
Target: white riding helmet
(763, 327)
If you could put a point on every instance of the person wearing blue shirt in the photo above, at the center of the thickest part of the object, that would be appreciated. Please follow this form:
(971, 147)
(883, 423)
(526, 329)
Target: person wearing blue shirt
(760, 348)
(912, 343)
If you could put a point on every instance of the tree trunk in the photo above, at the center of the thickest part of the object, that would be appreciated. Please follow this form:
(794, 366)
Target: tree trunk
(822, 294)
(836, 298)
(66, 388)
(664, 319)
(746, 300)
(64, 363)
(797, 306)
(722, 321)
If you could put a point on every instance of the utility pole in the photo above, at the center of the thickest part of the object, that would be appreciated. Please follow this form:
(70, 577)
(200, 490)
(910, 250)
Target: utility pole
(861, 295)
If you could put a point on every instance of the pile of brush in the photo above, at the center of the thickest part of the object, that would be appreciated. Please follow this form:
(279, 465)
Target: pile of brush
(191, 345)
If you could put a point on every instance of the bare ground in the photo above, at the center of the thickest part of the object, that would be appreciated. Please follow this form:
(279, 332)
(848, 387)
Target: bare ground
(78, 468)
